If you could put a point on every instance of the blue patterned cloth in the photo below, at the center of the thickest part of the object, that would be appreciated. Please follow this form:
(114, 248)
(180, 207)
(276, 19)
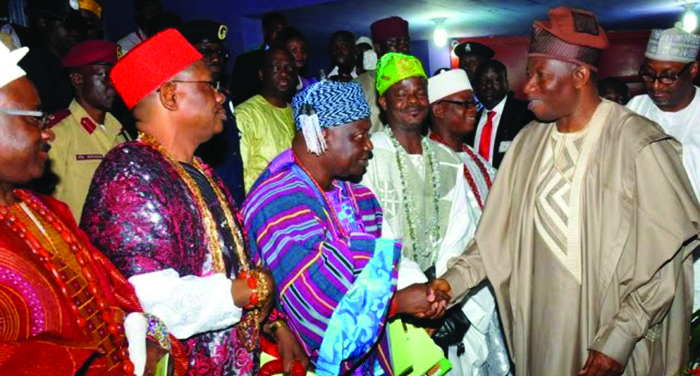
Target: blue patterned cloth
(359, 316)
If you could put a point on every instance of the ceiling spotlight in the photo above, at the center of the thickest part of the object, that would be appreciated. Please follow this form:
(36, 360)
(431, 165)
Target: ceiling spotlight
(440, 34)
(690, 19)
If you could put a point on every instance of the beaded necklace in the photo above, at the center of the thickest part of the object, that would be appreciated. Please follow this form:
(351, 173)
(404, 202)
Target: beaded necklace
(248, 329)
(467, 173)
(419, 249)
(213, 236)
(334, 215)
(82, 256)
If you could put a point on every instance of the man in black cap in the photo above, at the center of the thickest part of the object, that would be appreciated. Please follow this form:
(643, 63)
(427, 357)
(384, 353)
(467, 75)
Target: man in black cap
(59, 26)
(471, 54)
(223, 151)
(245, 81)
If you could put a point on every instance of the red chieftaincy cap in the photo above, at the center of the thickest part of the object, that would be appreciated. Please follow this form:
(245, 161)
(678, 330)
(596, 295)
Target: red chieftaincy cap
(388, 28)
(152, 63)
(91, 52)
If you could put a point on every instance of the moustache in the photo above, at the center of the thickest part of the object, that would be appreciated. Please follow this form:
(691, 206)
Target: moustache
(414, 107)
(45, 147)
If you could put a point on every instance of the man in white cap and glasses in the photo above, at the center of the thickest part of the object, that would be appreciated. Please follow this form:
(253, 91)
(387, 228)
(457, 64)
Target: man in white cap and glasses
(481, 349)
(674, 102)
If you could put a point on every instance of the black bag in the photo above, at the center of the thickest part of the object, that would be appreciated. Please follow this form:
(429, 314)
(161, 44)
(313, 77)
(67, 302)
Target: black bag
(452, 327)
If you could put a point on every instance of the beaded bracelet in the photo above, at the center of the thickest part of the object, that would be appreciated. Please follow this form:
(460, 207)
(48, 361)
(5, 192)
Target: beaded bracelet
(257, 283)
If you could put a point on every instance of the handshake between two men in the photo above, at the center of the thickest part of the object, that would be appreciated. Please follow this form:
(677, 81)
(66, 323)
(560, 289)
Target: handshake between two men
(424, 300)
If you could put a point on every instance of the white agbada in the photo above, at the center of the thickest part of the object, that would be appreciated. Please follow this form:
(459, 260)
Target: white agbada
(684, 126)
(483, 342)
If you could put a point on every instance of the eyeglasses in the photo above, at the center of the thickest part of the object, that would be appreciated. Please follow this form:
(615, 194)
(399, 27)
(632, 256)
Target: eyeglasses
(41, 118)
(216, 85)
(468, 104)
(666, 80)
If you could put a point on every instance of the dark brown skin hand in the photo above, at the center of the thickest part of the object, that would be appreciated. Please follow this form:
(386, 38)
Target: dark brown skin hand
(153, 354)
(290, 349)
(599, 364)
(420, 301)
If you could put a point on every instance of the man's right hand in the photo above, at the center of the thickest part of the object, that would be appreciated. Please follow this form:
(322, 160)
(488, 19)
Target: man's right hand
(439, 284)
(240, 292)
(421, 301)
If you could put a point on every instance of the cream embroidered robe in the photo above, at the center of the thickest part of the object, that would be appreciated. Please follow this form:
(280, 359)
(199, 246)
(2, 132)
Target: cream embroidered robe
(624, 283)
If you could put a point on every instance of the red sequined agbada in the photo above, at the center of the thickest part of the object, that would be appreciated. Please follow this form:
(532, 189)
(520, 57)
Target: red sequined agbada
(52, 327)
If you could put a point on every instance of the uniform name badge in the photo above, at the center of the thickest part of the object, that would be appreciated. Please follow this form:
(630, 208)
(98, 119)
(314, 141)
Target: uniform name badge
(503, 147)
(88, 157)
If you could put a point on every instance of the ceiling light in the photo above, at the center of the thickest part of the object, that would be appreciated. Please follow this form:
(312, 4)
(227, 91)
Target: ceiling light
(440, 34)
(690, 19)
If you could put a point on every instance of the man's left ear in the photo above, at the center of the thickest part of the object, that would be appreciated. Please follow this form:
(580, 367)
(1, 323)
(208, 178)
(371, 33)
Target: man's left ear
(693, 70)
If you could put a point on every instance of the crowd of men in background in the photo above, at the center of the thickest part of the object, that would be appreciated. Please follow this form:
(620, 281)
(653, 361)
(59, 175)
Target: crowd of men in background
(206, 208)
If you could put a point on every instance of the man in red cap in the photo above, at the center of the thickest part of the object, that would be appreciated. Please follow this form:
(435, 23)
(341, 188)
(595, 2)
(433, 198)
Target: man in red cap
(388, 35)
(587, 233)
(169, 223)
(86, 131)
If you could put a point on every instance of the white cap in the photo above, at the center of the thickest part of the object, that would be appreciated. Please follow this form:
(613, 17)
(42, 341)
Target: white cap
(364, 39)
(447, 83)
(674, 44)
(9, 70)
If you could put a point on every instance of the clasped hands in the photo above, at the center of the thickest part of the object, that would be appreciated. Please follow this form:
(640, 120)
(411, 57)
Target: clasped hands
(427, 300)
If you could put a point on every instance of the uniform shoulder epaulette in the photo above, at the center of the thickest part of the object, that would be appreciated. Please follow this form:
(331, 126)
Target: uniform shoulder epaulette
(57, 117)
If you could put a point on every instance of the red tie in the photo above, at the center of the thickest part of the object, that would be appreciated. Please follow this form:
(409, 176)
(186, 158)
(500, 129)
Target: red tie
(485, 143)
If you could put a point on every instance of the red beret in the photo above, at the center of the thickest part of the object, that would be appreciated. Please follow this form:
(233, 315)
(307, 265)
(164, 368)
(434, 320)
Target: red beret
(91, 52)
(387, 28)
(570, 34)
(152, 63)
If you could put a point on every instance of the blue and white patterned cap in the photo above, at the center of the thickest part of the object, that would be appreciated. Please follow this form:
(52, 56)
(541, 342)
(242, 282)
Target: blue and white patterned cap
(674, 44)
(327, 104)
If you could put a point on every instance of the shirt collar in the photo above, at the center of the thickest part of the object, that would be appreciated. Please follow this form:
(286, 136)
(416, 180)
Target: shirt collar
(499, 107)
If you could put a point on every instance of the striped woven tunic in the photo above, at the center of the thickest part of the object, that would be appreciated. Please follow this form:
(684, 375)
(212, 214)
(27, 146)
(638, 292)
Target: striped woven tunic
(315, 266)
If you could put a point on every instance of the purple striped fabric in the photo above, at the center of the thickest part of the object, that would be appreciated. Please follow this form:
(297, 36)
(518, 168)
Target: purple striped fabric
(292, 232)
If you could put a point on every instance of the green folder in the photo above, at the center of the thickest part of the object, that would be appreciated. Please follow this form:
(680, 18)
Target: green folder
(414, 353)
(162, 366)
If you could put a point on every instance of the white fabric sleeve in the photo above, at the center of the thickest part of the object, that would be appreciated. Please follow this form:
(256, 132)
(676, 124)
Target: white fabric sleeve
(409, 273)
(187, 305)
(460, 229)
(136, 328)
